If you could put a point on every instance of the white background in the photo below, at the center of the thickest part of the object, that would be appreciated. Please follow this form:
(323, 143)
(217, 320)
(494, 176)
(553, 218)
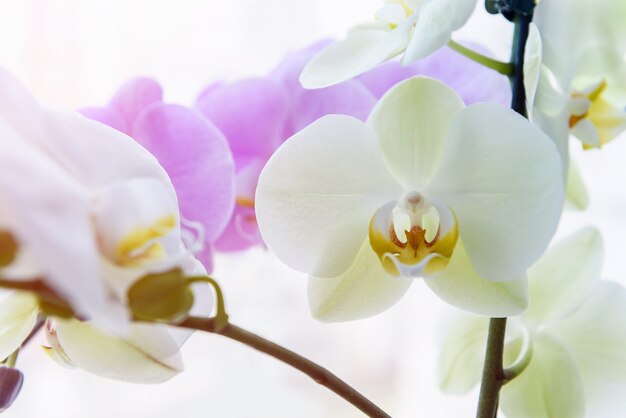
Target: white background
(77, 52)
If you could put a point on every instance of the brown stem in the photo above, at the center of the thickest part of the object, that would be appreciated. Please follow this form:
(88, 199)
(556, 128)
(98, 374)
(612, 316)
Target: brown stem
(306, 366)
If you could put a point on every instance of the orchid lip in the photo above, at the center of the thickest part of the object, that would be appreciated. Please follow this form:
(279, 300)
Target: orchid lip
(413, 237)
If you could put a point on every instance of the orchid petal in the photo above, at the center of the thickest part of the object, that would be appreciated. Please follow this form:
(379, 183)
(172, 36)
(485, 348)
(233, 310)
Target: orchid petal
(250, 113)
(532, 65)
(361, 50)
(595, 334)
(18, 316)
(317, 193)
(462, 354)
(147, 355)
(561, 280)
(550, 386)
(348, 98)
(133, 217)
(43, 215)
(460, 286)
(437, 20)
(502, 178)
(133, 97)
(472, 81)
(577, 194)
(197, 158)
(241, 232)
(108, 115)
(411, 122)
(364, 290)
(288, 70)
(97, 154)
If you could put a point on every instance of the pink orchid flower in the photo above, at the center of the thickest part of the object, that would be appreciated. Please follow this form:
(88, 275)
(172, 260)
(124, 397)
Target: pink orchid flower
(192, 150)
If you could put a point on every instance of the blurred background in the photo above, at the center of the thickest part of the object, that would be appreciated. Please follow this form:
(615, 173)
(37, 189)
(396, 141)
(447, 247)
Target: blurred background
(77, 52)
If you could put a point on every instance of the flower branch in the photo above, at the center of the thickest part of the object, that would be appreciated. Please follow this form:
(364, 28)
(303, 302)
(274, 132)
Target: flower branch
(504, 68)
(316, 372)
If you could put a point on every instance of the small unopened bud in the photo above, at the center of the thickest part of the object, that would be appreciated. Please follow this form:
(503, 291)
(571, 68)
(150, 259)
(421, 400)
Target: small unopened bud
(163, 297)
(11, 381)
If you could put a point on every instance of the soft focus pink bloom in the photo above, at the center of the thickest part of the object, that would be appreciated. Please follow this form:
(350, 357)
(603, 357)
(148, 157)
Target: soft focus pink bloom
(472, 81)
(192, 150)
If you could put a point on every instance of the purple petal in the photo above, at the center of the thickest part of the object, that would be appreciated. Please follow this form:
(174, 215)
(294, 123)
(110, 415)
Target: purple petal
(473, 82)
(242, 231)
(135, 96)
(348, 98)
(108, 115)
(289, 69)
(209, 90)
(196, 156)
(384, 77)
(251, 114)
(206, 257)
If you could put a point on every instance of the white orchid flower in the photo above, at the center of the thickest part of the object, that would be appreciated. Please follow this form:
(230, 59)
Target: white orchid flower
(84, 213)
(414, 28)
(582, 76)
(467, 198)
(572, 333)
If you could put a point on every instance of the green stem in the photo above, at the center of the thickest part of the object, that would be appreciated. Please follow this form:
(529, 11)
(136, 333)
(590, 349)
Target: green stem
(306, 366)
(493, 373)
(504, 68)
(221, 317)
(522, 361)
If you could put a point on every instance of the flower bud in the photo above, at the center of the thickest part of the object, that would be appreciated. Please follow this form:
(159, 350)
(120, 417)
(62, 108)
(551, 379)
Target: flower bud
(11, 381)
(163, 297)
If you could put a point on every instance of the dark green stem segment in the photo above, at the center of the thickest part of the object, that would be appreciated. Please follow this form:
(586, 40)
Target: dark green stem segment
(493, 372)
(522, 28)
(306, 366)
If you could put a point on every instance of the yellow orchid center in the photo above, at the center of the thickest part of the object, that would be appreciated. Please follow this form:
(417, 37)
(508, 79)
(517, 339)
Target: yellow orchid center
(413, 237)
(8, 248)
(141, 244)
(594, 119)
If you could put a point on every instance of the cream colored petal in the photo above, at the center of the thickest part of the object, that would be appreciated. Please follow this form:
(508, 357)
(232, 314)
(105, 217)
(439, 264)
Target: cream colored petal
(550, 386)
(561, 280)
(460, 286)
(502, 178)
(18, 316)
(462, 354)
(436, 22)
(361, 50)
(96, 154)
(364, 290)
(317, 193)
(411, 122)
(147, 355)
(577, 195)
(596, 336)
(532, 65)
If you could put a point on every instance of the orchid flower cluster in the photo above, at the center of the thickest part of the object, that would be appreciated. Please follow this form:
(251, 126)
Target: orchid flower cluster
(365, 172)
